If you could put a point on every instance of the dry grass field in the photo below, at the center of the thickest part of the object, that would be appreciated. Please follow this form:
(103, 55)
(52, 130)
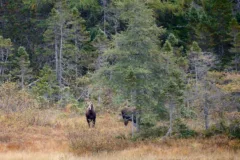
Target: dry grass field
(58, 135)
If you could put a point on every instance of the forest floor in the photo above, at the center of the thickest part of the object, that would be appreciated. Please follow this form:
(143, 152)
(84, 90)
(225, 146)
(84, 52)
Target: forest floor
(57, 135)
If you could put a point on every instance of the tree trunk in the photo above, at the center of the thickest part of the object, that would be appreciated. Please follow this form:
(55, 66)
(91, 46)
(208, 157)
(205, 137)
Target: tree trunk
(104, 16)
(196, 78)
(76, 57)
(132, 126)
(137, 121)
(56, 54)
(2, 61)
(60, 56)
(206, 112)
(236, 62)
(22, 79)
(171, 110)
(99, 99)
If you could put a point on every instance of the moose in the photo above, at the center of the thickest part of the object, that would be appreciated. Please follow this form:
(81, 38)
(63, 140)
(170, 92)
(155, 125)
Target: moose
(90, 114)
(129, 114)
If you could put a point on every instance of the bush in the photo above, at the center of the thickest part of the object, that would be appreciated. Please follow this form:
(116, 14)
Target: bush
(92, 140)
(234, 126)
(150, 133)
(219, 128)
(148, 120)
(234, 129)
(182, 131)
(15, 100)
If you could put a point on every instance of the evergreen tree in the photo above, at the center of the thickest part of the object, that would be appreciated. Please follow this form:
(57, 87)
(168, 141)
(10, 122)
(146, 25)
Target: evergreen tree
(46, 85)
(236, 43)
(5, 53)
(195, 57)
(22, 68)
(77, 51)
(136, 66)
(217, 21)
(56, 37)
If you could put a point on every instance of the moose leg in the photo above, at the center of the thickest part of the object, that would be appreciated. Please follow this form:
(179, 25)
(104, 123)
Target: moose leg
(125, 122)
(88, 121)
(94, 120)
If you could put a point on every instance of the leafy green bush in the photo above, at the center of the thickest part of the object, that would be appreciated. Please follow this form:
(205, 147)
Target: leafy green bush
(182, 131)
(234, 129)
(219, 128)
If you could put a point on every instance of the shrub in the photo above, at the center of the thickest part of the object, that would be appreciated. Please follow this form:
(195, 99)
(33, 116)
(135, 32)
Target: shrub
(234, 126)
(15, 100)
(182, 131)
(218, 128)
(151, 132)
(234, 129)
(89, 140)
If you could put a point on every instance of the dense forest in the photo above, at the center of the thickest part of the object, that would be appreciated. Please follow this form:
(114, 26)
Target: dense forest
(176, 61)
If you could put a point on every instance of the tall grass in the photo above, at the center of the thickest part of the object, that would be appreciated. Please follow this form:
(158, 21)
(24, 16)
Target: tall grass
(15, 100)
(66, 136)
(108, 135)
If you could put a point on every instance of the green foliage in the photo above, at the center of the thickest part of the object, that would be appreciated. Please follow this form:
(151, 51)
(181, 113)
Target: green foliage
(148, 120)
(167, 47)
(131, 57)
(46, 86)
(195, 47)
(218, 12)
(6, 53)
(134, 51)
(234, 129)
(22, 70)
(182, 131)
(151, 133)
(172, 39)
(219, 128)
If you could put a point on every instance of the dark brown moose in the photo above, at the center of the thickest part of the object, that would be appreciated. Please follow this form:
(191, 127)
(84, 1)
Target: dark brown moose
(90, 114)
(129, 114)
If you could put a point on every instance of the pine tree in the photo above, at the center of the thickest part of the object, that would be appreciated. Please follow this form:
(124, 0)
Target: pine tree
(217, 21)
(77, 51)
(5, 53)
(195, 57)
(56, 38)
(22, 70)
(46, 85)
(236, 43)
(135, 66)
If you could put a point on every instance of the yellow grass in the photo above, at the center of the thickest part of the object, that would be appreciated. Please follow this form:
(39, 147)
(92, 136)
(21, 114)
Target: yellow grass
(66, 136)
(195, 151)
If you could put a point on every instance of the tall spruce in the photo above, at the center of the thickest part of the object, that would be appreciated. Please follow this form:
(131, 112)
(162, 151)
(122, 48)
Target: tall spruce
(135, 65)
(217, 24)
(5, 53)
(22, 68)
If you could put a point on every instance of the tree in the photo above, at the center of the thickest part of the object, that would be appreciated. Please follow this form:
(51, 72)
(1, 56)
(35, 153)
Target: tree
(217, 21)
(203, 94)
(135, 66)
(77, 51)
(195, 60)
(22, 66)
(5, 53)
(236, 43)
(172, 15)
(55, 36)
(46, 85)
(174, 87)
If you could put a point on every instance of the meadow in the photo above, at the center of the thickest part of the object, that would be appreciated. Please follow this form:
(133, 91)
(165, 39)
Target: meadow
(61, 135)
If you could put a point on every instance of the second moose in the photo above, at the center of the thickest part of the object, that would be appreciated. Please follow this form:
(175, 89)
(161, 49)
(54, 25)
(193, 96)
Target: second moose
(90, 114)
